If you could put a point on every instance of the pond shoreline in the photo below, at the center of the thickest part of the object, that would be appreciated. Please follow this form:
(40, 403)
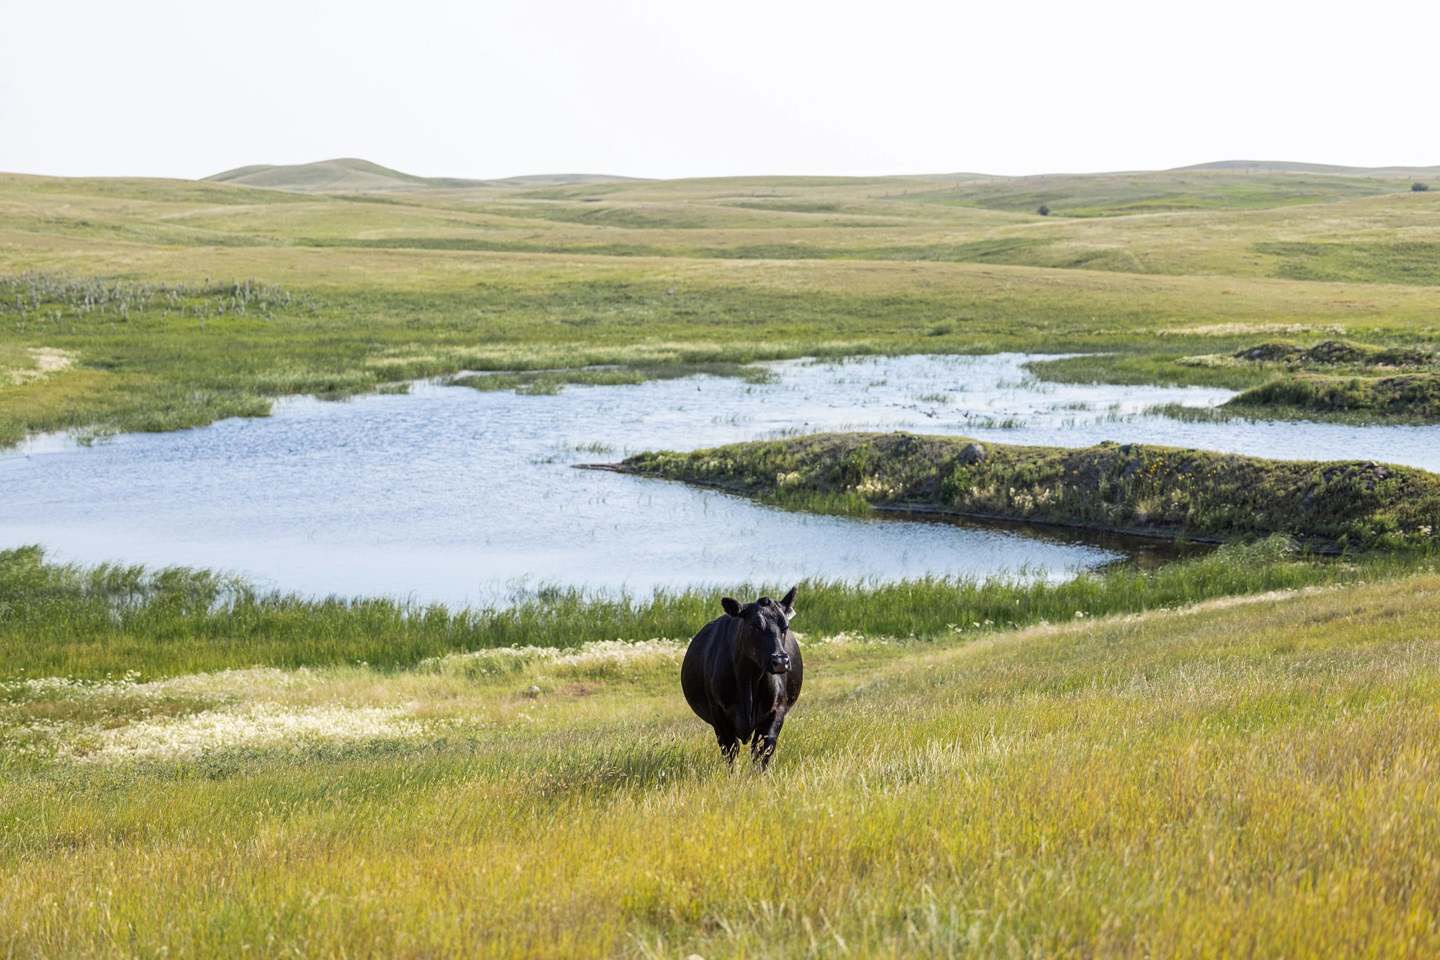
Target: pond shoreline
(929, 511)
(461, 496)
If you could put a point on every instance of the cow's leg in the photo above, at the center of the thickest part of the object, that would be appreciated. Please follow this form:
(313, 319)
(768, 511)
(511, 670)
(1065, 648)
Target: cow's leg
(765, 742)
(729, 743)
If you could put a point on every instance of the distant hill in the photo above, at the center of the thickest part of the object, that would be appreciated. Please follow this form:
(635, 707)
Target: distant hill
(954, 177)
(350, 175)
(1288, 166)
(1218, 166)
(564, 179)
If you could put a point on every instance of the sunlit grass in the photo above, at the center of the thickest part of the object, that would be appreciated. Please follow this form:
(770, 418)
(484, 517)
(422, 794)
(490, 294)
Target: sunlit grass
(1240, 778)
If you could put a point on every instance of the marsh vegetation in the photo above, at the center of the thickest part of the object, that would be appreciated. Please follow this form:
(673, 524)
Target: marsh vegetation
(95, 622)
(1330, 381)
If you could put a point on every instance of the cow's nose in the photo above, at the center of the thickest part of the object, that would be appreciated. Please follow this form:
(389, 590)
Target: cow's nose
(779, 663)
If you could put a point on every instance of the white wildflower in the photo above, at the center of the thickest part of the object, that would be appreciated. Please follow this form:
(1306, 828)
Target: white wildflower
(262, 725)
(844, 636)
(619, 652)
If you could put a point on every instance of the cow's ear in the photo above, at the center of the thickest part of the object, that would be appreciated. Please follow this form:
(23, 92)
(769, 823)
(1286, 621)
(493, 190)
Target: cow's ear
(731, 605)
(787, 603)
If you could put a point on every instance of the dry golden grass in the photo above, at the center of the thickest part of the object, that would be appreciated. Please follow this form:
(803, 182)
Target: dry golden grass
(1235, 779)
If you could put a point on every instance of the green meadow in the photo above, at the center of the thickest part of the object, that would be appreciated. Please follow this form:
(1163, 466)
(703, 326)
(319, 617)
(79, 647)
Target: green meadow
(1245, 776)
(384, 287)
(1232, 754)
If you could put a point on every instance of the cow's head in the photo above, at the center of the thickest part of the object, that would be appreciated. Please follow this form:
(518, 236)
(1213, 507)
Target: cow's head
(763, 625)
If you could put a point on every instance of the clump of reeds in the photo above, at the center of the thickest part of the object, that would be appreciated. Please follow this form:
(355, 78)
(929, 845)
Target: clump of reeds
(45, 297)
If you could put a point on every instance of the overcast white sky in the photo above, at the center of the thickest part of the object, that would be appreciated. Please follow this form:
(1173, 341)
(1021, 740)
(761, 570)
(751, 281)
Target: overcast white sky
(186, 88)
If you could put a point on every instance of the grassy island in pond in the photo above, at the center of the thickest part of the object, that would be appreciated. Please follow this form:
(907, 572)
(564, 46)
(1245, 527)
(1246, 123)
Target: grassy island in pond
(1148, 490)
(1337, 380)
(1402, 398)
(1333, 380)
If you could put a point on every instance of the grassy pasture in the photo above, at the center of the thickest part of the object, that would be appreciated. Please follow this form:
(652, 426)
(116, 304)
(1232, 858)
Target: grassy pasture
(1415, 262)
(526, 277)
(436, 313)
(1118, 194)
(1238, 778)
(786, 219)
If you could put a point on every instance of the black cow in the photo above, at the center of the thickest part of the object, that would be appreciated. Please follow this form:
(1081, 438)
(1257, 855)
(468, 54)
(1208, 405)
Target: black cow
(742, 674)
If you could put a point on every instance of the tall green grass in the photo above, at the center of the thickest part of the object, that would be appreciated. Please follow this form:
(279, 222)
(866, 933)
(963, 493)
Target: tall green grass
(109, 620)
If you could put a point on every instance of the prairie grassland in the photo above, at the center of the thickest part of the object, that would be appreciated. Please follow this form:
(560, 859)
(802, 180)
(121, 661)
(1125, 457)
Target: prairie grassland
(1314, 228)
(376, 316)
(1243, 777)
(395, 287)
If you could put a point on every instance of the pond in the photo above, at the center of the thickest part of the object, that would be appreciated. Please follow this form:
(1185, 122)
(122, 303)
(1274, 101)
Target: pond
(454, 495)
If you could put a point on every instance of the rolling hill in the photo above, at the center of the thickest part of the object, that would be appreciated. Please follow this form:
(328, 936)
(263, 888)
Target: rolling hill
(1287, 166)
(351, 175)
